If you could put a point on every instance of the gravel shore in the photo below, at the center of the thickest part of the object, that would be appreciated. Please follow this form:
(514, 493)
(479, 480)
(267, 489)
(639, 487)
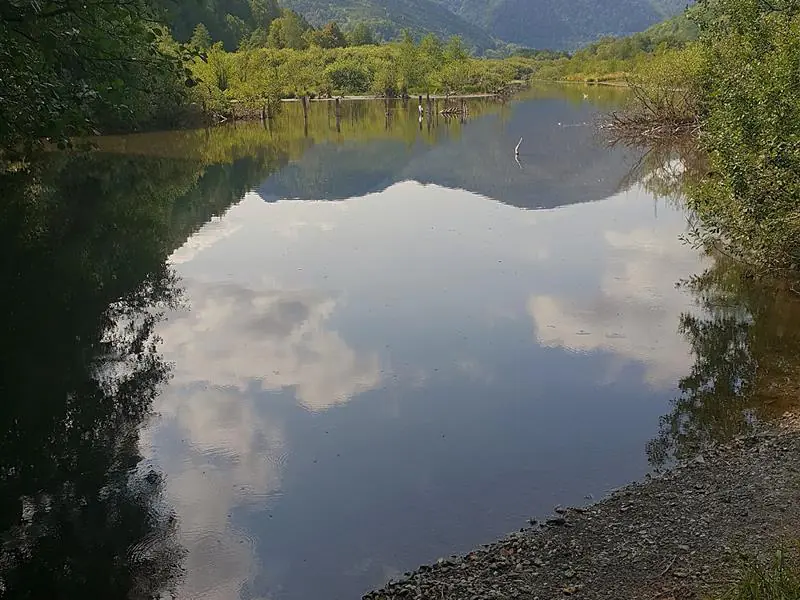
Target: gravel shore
(677, 536)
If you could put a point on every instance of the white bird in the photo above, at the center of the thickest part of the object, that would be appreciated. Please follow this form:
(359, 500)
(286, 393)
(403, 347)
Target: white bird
(516, 150)
(586, 96)
(421, 110)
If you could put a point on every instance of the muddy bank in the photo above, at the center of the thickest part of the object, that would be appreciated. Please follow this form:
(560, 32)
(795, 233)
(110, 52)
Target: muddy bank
(676, 536)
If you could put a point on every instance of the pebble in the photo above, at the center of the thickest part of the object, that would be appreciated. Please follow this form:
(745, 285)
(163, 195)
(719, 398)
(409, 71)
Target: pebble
(615, 552)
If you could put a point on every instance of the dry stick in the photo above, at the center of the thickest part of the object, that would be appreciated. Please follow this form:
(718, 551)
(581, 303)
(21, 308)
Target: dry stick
(665, 592)
(669, 566)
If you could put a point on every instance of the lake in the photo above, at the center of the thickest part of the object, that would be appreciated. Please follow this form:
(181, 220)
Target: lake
(291, 361)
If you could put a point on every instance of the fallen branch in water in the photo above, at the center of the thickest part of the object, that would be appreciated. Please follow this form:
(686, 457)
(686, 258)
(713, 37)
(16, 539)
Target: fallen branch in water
(658, 114)
(644, 128)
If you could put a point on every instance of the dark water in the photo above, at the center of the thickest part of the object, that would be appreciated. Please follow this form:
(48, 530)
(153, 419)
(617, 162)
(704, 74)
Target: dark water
(293, 362)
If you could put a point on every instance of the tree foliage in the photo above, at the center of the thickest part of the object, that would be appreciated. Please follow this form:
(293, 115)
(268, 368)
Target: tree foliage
(329, 36)
(68, 68)
(751, 91)
(288, 31)
(361, 35)
(201, 38)
(277, 71)
(617, 57)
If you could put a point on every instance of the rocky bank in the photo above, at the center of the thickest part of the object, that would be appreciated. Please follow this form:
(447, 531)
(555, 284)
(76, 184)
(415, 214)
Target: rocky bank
(676, 536)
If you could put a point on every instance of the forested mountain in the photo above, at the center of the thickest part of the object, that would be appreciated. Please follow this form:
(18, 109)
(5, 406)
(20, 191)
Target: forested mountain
(232, 21)
(562, 25)
(227, 21)
(551, 24)
(388, 17)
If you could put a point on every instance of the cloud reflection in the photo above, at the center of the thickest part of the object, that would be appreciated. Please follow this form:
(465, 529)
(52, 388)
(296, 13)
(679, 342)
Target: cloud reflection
(225, 463)
(237, 337)
(633, 312)
(230, 342)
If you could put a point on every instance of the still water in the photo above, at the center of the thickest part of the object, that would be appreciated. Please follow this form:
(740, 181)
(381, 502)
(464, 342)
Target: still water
(291, 362)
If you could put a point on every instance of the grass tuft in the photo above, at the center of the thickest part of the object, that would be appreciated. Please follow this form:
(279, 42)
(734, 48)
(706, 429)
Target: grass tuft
(778, 579)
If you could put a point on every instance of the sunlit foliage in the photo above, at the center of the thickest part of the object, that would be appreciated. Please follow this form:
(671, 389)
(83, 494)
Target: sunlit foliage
(751, 106)
(255, 76)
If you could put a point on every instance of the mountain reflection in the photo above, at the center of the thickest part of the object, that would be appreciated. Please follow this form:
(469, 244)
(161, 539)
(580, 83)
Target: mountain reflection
(564, 162)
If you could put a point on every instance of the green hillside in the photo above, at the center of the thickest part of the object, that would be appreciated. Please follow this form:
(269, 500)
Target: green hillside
(228, 21)
(553, 24)
(562, 25)
(389, 17)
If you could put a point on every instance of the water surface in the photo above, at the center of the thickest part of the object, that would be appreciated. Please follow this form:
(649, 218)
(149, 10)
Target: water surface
(386, 357)
(293, 362)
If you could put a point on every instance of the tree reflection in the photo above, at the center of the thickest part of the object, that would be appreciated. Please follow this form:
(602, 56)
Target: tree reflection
(746, 343)
(743, 335)
(667, 170)
(84, 246)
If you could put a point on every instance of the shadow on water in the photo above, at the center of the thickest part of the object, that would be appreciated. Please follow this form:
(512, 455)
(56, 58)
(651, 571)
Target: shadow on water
(84, 245)
(84, 279)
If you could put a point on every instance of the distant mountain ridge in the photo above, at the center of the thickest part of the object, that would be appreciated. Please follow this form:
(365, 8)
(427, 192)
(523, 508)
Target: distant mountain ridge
(389, 17)
(557, 24)
(482, 24)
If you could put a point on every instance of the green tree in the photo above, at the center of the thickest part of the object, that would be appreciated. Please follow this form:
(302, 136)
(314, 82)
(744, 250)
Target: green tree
(264, 12)
(330, 36)
(751, 106)
(288, 31)
(258, 39)
(70, 67)
(455, 50)
(409, 68)
(201, 39)
(361, 35)
(238, 29)
(350, 77)
(431, 50)
(431, 57)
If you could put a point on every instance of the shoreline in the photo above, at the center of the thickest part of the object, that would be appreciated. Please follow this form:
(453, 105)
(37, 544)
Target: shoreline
(678, 535)
(396, 98)
(619, 83)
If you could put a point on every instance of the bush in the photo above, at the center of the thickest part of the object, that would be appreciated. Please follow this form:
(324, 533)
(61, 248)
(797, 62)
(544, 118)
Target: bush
(751, 109)
(348, 77)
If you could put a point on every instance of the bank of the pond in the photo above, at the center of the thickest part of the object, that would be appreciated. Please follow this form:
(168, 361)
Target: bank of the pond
(444, 102)
(676, 536)
(407, 98)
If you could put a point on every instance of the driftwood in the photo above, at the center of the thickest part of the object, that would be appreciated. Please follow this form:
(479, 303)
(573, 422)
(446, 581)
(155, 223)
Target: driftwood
(642, 129)
(457, 109)
(657, 115)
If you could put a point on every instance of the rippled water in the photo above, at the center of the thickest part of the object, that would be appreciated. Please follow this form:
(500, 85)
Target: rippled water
(367, 348)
